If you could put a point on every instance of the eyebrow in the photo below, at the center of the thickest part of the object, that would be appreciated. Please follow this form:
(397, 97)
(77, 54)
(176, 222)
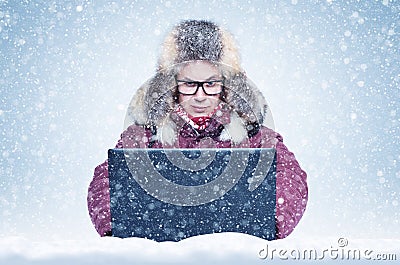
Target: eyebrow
(213, 77)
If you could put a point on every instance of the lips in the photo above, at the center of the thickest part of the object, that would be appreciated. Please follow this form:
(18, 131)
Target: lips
(199, 108)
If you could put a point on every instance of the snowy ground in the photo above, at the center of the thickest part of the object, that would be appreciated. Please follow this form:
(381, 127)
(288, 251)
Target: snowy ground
(227, 248)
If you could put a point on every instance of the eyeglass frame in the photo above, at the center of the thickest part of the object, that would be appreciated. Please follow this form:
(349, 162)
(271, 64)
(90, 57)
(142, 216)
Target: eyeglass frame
(199, 84)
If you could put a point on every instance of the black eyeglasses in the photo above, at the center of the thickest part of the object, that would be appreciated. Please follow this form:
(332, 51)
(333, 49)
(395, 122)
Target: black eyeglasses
(210, 87)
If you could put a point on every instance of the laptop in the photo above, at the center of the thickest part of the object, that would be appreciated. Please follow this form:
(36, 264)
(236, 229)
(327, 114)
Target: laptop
(173, 194)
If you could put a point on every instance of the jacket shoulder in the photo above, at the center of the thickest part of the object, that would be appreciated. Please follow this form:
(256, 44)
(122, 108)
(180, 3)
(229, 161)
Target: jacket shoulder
(268, 137)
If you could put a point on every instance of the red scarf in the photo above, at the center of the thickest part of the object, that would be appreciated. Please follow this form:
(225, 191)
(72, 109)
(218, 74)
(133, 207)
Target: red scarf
(198, 123)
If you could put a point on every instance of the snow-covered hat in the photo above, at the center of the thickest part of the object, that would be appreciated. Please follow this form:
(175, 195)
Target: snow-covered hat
(199, 40)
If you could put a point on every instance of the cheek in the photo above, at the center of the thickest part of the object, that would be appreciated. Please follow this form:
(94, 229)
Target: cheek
(215, 100)
(182, 99)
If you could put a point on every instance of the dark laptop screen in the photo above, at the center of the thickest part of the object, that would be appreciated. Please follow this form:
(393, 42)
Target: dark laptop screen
(173, 194)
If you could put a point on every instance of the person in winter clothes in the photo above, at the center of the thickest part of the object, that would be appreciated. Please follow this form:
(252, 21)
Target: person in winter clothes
(200, 97)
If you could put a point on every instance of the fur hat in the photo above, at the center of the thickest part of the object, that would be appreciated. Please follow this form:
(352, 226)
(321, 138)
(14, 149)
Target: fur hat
(191, 40)
(199, 40)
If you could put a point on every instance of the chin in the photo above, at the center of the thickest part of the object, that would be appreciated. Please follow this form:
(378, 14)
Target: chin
(198, 114)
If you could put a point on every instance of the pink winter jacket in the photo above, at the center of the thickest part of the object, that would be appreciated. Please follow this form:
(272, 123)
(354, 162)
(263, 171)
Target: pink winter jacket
(291, 185)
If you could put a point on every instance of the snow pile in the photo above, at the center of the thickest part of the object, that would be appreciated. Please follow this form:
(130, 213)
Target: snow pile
(229, 248)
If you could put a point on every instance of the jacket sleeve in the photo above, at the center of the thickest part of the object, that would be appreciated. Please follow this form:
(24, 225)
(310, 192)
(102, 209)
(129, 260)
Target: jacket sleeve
(291, 182)
(98, 198)
(291, 190)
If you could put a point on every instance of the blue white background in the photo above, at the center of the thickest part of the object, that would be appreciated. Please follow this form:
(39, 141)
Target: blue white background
(330, 71)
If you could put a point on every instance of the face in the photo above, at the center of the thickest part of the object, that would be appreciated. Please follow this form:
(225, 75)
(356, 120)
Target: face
(199, 104)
